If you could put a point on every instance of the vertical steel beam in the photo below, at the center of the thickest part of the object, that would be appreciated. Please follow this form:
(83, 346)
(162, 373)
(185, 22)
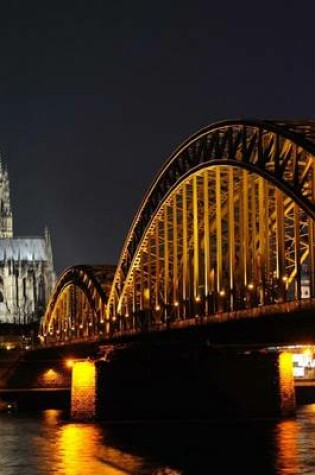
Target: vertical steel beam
(312, 236)
(157, 265)
(253, 215)
(245, 233)
(280, 234)
(218, 219)
(175, 250)
(297, 263)
(312, 256)
(196, 237)
(134, 298)
(267, 245)
(231, 234)
(149, 272)
(141, 275)
(166, 260)
(206, 238)
(185, 248)
(263, 236)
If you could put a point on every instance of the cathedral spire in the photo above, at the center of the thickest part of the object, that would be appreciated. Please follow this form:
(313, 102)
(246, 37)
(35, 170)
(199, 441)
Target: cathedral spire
(48, 247)
(6, 219)
(47, 236)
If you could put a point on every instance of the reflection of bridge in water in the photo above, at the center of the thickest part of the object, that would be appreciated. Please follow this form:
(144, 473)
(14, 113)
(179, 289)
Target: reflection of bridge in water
(225, 231)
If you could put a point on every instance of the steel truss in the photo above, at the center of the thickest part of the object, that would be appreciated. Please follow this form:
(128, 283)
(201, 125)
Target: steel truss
(225, 239)
(227, 224)
(77, 307)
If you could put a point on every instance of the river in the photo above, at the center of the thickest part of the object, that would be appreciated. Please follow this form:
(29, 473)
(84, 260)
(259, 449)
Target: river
(49, 443)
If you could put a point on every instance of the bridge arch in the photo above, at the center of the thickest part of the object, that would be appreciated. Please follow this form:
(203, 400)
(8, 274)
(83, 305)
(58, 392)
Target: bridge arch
(77, 307)
(227, 224)
(257, 180)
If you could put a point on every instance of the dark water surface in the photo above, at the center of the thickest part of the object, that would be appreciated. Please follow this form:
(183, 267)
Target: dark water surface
(48, 443)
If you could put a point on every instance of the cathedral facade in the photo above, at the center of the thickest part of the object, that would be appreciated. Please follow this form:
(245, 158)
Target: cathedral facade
(26, 267)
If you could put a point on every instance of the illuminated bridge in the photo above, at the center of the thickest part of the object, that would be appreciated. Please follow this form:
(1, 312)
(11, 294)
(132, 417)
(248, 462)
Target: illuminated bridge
(226, 231)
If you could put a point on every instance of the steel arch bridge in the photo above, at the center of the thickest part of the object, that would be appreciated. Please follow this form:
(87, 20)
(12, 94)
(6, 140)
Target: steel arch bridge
(77, 307)
(226, 226)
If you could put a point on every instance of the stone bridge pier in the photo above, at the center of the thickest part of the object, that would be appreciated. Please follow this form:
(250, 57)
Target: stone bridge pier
(147, 382)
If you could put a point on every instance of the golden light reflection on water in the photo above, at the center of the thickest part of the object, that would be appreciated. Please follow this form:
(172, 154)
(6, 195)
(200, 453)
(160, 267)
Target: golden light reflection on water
(51, 416)
(287, 433)
(79, 449)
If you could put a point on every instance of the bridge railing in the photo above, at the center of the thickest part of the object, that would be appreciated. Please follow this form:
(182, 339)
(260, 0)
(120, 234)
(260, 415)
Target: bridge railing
(218, 317)
(254, 312)
(266, 310)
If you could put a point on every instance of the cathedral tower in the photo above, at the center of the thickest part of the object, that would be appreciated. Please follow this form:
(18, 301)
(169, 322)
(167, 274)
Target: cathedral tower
(26, 267)
(6, 221)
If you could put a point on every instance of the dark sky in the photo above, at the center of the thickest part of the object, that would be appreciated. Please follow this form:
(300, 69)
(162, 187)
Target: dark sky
(95, 95)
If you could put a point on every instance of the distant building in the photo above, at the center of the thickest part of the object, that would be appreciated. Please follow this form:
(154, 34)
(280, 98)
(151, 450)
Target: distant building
(26, 266)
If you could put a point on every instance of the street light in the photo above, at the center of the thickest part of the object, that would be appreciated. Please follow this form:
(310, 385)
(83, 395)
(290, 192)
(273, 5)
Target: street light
(69, 363)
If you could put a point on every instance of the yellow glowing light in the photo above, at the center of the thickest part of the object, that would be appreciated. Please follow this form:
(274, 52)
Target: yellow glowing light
(69, 363)
(82, 450)
(250, 286)
(81, 326)
(51, 416)
(176, 304)
(222, 293)
(198, 298)
(287, 455)
(9, 347)
(157, 308)
(83, 390)
(146, 293)
(284, 278)
(286, 362)
(102, 320)
(308, 352)
(83, 373)
(51, 377)
(286, 381)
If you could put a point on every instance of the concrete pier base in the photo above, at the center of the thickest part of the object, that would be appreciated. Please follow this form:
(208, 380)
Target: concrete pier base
(83, 390)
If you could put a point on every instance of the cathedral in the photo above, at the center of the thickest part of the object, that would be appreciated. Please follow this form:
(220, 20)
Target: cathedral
(26, 266)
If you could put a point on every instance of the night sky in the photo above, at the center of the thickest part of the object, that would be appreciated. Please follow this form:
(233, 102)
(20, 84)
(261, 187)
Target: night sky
(95, 95)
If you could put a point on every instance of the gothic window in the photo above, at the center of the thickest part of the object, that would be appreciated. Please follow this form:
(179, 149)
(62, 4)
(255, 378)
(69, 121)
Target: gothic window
(41, 290)
(24, 288)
